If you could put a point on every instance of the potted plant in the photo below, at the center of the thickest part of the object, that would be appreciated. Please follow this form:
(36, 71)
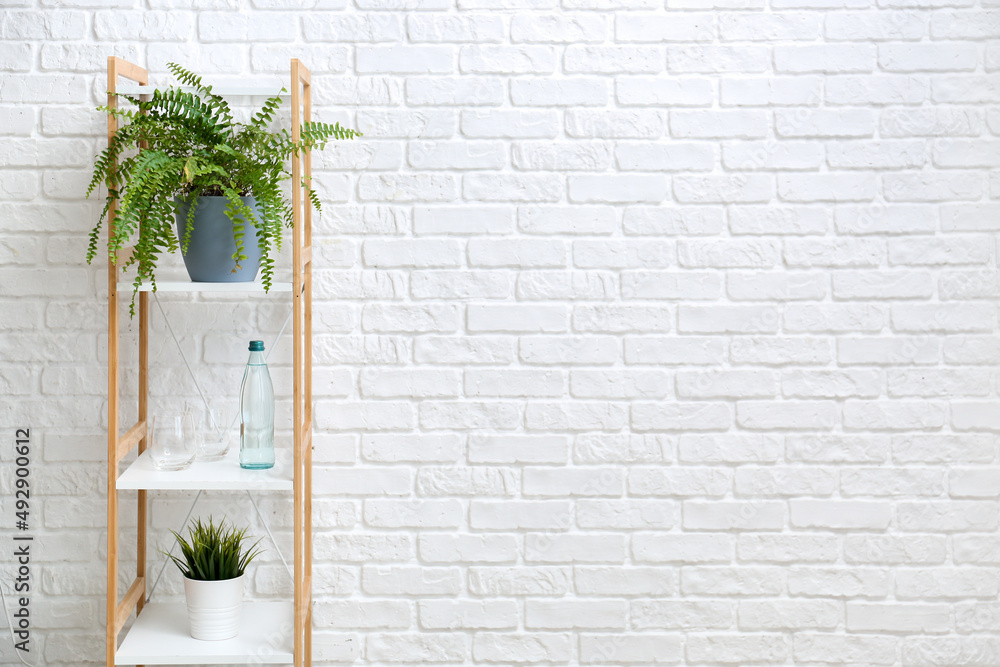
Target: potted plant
(213, 560)
(179, 157)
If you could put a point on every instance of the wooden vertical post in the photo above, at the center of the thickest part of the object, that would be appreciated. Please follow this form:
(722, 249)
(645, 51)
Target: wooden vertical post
(112, 601)
(297, 417)
(307, 381)
(118, 67)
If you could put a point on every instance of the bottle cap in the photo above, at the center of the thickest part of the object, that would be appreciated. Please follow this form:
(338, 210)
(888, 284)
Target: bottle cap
(256, 346)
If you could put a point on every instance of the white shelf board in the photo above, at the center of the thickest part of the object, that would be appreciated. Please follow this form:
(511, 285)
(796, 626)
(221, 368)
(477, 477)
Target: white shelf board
(225, 90)
(188, 286)
(223, 475)
(160, 636)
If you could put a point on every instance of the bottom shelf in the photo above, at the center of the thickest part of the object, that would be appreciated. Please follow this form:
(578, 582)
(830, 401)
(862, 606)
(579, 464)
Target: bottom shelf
(160, 637)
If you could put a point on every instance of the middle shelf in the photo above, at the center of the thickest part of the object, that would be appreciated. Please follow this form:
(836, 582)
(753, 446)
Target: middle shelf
(223, 475)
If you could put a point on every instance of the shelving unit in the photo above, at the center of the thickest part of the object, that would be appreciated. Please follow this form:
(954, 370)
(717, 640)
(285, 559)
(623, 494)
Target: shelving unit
(271, 632)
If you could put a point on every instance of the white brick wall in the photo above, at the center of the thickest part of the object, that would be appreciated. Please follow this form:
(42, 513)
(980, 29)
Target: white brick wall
(646, 331)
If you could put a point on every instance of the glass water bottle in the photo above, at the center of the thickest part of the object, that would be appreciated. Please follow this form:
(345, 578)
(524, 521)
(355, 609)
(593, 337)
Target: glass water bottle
(256, 412)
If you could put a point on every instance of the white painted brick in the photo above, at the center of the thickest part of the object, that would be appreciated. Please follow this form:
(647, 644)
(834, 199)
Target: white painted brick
(837, 449)
(393, 448)
(578, 416)
(715, 59)
(718, 124)
(515, 187)
(465, 481)
(624, 514)
(779, 351)
(614, 581)
(630, 124)
(772, 548)
(623, 189)
(413, 514)
(622, 448)
(462, 614)
(973, 317)
(672, 285)
(734, 515)
(727, 319)
(654, 91)
(405, 59)
(686, 614)
(729, 448)
(837, 318)
(468, 415)
(973, 483)
(825, 58)
(679, 482)
(550, 156)
(920, 448)
(947, 516)
(763, 415)
(965, 582)
(509, 383)
(509, 124)
(549, 220)
(741, 188)
(547, 581)
(521, 647)
(726, 384)
(768, 155)
(687, 416)
(517, 449)
(631, 648)
(737, 649)
(400, 647)
(407, 187)
(895, 549)
(853, 582)
(520, 515)
(785, 481)
(674, 350)
(842, 649)
(875, 26)
(471, 28)
(551, 350)
(618, 384)
(831, 384)
(456, 91)
(507, 60)
(518, 318)
(517, 253)
(570, 29)
(591, 548)
(727, 254)
(542, 285)
(877, 90)
(783, 615)
(900, 482)
(726, 581)
(460, 285)
(456, 155)
(409, 580)
(543, 91)
(613, 60)
(936, 57)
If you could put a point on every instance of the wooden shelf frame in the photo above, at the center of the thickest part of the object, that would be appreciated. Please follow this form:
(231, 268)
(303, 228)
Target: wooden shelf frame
(119, 610)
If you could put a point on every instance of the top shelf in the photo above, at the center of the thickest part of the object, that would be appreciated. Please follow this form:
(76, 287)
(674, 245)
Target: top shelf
(224, 90)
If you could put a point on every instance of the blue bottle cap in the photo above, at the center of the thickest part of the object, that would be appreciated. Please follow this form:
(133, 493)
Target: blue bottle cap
(256, 346)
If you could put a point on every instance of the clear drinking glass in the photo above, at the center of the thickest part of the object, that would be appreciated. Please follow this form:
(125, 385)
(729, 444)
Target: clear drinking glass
(173, 441)
(218, 436)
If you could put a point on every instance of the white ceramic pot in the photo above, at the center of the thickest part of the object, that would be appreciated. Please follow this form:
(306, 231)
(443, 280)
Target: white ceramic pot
(214, 607)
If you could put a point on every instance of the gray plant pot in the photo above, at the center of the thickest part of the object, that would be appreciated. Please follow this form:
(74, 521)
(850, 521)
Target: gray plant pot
(209, 257)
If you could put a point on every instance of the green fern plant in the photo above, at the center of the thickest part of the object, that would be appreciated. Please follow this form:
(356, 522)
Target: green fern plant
(213, 552)
(179, 145)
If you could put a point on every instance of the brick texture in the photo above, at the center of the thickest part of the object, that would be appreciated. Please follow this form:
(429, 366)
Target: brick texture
(647, 331)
